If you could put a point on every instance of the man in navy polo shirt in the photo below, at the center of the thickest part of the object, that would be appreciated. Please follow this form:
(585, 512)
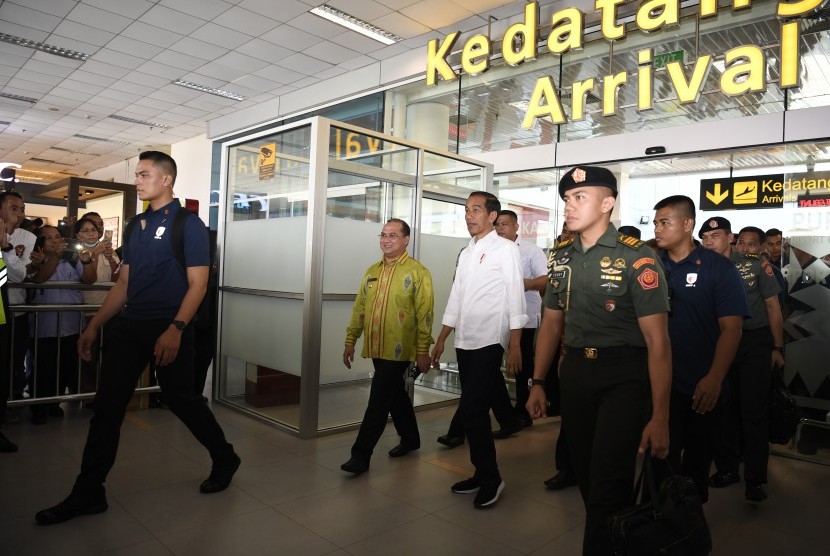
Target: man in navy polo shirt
(708, 306)
(149, 313)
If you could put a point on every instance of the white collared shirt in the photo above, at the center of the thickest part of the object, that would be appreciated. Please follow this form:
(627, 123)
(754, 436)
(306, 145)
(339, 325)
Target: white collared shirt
(23, 241)
(534, 264)
(487, 297)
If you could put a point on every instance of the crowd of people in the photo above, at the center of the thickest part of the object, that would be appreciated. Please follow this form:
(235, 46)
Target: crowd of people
(663, 350)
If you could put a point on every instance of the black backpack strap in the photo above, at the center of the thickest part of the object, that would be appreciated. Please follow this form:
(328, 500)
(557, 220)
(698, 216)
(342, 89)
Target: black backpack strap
(128, 230)
(177, 235)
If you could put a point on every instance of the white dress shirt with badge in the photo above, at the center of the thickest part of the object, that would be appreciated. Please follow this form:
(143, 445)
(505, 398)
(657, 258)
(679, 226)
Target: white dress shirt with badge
(487, 297)
(534, 264)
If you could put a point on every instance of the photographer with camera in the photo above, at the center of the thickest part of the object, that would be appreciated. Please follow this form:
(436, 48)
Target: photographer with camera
(57, 333)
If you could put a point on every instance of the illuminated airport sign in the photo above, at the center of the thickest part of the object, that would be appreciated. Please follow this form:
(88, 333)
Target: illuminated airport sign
(760, 192)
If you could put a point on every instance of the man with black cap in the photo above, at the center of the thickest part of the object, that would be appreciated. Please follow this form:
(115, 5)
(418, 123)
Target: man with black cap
(708, 306)
(746, 426)
(609, 294)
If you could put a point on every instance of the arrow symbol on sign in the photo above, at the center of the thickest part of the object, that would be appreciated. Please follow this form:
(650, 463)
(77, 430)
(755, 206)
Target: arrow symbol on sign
(716, 196)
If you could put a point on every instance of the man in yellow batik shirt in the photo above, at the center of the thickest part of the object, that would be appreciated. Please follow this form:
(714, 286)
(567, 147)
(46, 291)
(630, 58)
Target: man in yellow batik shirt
(393, 311)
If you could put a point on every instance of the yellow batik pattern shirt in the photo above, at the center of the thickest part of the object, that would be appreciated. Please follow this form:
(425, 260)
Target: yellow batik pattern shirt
(393, 310)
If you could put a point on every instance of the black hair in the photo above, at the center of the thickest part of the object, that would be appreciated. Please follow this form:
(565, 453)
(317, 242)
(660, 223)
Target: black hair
(773, 232)
(76, 229)
(162, 161)
(682, 204)
(6, 194)
(491, 202)
(404, 225)
(632, 231)
(511, 214)
(762, 237)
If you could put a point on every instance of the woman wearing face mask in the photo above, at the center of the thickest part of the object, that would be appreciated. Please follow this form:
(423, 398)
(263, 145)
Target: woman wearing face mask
(106, 262)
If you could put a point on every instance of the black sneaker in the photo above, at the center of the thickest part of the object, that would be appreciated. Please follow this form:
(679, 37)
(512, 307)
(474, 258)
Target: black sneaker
(755, 492)
(488, 495)
(451, 441)
(467, 486)
(70, 508)
(355, 466)
(220, 476)
(723, 479)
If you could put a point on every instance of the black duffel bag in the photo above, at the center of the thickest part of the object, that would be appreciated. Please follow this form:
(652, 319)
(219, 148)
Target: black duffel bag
(783, 411)
(666, 521)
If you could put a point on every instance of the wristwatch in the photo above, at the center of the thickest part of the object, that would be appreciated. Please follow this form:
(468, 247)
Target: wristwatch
(531, 382)
(179, 324)
(779, 349)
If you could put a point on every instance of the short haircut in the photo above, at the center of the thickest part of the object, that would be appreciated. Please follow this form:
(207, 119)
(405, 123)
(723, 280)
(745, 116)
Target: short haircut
(76, 229)
(40, 230)
(491, 202)
(6, 194)
(162, 161)
(773, 232)
(91, 213)
(511, 214)
(762, 237)
(681, 204)
(404, 226)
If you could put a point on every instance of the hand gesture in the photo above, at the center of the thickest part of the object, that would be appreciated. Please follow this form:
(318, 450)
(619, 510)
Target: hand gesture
(348, 356)
(437, 350)
(537, 403)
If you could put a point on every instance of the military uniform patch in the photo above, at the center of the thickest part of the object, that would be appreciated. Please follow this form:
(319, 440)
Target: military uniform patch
(649, 279)
(645, 260)
(630, 241)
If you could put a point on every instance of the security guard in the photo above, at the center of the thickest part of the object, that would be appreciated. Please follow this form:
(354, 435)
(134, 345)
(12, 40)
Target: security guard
(609, 293)
(746, 427)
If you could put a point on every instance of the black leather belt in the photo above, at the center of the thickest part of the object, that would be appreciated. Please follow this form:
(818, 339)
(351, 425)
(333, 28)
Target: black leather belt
(603, 352)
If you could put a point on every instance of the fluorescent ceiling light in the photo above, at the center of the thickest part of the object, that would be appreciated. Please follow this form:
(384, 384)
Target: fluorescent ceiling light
(44, 47)
(206, 89)
(93, 138)
(18, 97)
(350, 22)
(141, 122)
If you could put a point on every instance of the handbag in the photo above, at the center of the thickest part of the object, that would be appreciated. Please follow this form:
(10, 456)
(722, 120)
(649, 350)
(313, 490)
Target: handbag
(783, 411)
(666, 521)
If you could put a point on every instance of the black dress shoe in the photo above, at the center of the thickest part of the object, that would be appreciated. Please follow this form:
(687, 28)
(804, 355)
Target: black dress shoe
(755, 492)
(71, 508)
(355, 466)
(6, 445)
(220, 477)
(723, 479)
(451, 441)
(507, 431)
(560, 480)
(401, 450)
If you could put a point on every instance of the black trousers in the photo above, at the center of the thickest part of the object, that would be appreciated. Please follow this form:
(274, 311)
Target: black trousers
(480, 372)
(499, 403)
(562, 457)
(127, 351)
(692, 439)
(5, 369)
(387, 396)
(47, 380)
(522, 392)
(605, 405)
(745, 430)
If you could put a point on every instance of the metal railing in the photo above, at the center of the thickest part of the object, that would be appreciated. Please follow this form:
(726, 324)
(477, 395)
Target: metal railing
(35, 311)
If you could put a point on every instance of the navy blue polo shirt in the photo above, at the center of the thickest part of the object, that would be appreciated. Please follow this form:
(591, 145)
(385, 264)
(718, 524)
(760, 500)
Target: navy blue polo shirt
(703, 287)
(157, 282)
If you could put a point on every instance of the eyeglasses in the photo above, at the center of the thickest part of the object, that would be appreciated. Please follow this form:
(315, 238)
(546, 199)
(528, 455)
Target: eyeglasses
(393, 237)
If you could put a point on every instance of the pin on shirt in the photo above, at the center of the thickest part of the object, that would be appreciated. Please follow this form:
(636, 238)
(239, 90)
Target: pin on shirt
(160, 232)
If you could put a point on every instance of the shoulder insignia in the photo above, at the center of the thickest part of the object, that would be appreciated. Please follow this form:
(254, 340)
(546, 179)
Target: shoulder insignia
(751, 256)
(564, 243)
(630, 241)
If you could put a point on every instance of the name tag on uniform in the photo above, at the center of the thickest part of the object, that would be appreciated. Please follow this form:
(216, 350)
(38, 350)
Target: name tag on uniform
(557, 274)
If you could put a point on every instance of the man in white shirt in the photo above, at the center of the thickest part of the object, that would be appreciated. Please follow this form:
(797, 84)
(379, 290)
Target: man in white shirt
(17, 245)
(535, 274)
(486, 308)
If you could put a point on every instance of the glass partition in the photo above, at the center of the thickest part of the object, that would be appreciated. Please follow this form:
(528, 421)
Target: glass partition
(303, 207)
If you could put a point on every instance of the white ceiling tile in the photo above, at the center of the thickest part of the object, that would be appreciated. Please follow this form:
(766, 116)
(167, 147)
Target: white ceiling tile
(264, 50)
(400, 25)
(49, 67)
(188, 111)
(280, 74)
(174, 94)
(331, 72)
(241, 62)
(116, 58)
(135, 88)
(218, 71)
(83, 33)
(392, 50)
(151, 34)
(71, 44)
(133, 47)
(206, 80)
(222, 36)
(207, 9)
(255, 83)
(37, 77)
(304, 64)
(81, 86)
(198, 49)
(306, 81)
(467, 25)
(144, 79)
(119, 95)
(127, 8)
(397, 4)
(253, 23)
(358, 62)
(160, 70)
(330, 52)
(111, 103)
(436, 13)
(82, 75)
(285, 10)
(21, 15)
(291, 38)
(98, 18)
(179, 60)
(55, 7)
(27, 88)
(172, 20)
(60, 97)
(316, 25)
(357, 42)
(22, 31)
(100, 68)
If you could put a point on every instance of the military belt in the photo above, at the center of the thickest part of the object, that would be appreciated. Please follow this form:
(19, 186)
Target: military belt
(605, 352)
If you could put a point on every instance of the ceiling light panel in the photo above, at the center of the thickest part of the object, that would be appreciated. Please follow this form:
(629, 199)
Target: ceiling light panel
(141, 122)
(209, 90)
(44, 47)
(18, 97)
(104, 139)
(350, 22)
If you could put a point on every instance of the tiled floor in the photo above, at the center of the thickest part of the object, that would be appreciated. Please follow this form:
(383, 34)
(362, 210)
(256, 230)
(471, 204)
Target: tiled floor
(289, 497)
